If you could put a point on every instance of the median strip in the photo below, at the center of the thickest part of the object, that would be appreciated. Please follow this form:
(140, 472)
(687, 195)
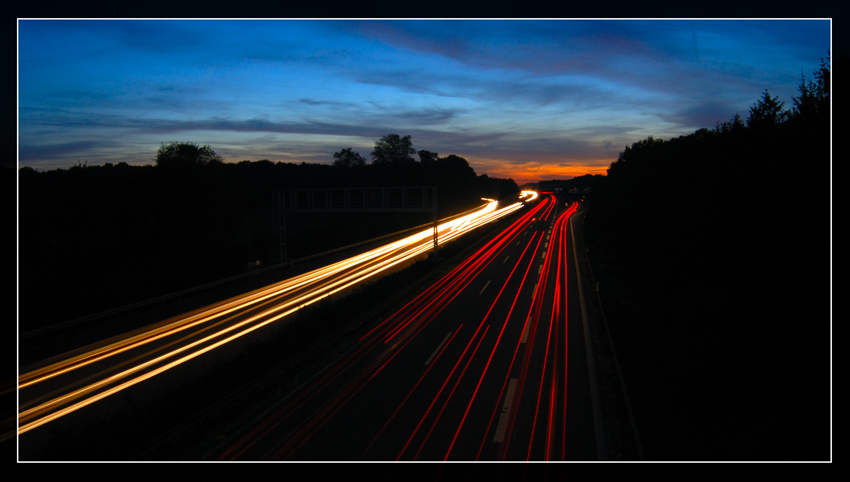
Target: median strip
(439, 347)
(485, 287)
(506, 410)
(525, 330)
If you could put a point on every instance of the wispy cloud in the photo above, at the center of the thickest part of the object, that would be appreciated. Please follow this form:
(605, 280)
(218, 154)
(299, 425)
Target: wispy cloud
(535, 96)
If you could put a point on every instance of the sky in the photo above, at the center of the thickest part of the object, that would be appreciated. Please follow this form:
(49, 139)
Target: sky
(523, 99)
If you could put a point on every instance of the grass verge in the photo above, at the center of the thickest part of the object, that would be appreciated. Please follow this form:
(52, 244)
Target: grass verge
(622, 439)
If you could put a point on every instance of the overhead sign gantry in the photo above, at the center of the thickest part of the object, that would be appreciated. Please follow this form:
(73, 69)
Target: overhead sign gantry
(355, 199)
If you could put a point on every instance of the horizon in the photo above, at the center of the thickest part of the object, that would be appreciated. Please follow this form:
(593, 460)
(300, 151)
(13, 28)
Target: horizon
(528, 100)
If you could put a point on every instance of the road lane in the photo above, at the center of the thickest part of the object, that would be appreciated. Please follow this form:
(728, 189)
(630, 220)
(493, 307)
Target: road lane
(58, 386)
(459, 374)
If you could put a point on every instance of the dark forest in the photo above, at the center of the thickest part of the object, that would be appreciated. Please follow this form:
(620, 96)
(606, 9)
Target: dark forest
(713, 255)
(94, 238)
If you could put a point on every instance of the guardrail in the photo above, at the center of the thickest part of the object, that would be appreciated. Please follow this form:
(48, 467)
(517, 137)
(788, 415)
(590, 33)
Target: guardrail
(189, 291)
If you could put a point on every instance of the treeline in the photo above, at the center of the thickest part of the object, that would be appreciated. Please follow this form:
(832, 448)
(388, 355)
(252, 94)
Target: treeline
(713, 255)
(92, 238)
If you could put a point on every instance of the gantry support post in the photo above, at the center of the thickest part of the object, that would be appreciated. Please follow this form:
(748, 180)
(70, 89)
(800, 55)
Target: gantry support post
(436, 234)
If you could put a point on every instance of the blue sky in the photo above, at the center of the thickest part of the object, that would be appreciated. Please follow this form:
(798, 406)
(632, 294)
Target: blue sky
(528, 99)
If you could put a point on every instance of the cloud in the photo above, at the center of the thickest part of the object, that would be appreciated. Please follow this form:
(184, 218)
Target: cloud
(59, 151)
(515, 94)
(326, 102)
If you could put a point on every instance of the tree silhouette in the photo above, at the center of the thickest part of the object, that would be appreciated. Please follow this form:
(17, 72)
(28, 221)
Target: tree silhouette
(813, 100)
(805, 105)
(427, 157)
(393, 149)
(735, 124)
(186, 154)
(348, 158)
(767, 113)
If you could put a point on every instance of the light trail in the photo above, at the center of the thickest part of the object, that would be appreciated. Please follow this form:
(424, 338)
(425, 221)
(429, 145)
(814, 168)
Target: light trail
(413, 317)
(532, 195)
(498, 338)
(383, 342)
(493, 389)
(68, 382)
(548, 423)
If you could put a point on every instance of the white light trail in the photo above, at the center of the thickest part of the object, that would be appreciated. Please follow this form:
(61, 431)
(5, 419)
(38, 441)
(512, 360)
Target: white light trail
(281, 299)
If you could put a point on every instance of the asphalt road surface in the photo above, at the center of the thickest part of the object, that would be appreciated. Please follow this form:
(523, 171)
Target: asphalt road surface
(489, 363)
(53, 388)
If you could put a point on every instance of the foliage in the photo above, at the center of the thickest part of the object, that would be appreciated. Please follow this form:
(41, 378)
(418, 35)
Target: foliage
(766, 114)
(186, 154)
(427, 157)
(393, 149)
(813, 101)
(348, 158)
(735, 124)
(713, 255)
(98, 237)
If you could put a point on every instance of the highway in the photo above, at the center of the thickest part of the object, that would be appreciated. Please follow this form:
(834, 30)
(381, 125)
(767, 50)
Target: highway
(488, 363)
(56, 387)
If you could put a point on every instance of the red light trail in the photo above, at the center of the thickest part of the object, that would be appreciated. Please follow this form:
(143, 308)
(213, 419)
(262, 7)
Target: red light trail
(456, 395)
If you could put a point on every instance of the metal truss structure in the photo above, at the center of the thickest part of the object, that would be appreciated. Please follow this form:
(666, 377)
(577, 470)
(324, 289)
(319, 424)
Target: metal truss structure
(360, 199)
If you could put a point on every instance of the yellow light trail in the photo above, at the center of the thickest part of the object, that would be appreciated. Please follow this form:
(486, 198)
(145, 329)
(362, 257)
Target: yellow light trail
(532, 194)
(284, 298)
